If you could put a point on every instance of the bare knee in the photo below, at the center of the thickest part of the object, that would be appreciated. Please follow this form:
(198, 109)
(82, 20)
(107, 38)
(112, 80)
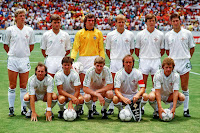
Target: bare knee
(152, 96)
(26, 97)
(54, 96)
(61, 99)
(12, 85)
(87, 97)
(109, 94)
(184, 87)
(23, 85)
(115, 99)
(181, 97)
(145, 96)
(81, 99)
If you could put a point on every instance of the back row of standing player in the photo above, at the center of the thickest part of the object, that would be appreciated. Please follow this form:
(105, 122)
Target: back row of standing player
(148, 44)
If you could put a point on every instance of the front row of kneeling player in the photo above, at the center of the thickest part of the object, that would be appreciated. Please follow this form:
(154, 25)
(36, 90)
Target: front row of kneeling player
(98, 85)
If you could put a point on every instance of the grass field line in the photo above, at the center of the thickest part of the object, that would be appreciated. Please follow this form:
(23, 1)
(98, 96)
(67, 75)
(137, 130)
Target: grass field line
(195, 73)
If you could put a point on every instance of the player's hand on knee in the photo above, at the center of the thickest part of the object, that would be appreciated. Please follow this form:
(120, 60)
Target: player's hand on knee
(126, 100)
(48, 116)
(94, 99)
(75, 100)
(160, 110)
(101, 100)
(34, 116)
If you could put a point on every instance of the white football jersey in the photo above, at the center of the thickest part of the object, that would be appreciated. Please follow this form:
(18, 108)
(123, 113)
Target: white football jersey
(19, 41)
(67, 81)
(120, 44)
(166, 84)
(36, 86)
(55, 45)
(150, 44)
(128, 83)
(96, 81)
(179, 44)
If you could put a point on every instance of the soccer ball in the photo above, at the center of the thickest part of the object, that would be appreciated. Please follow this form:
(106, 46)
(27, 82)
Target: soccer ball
(78, 67)
(69, 114)
(168, 116)
(125, 115)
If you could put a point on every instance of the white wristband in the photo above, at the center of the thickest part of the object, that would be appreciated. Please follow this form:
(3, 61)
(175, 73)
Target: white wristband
(48, 109)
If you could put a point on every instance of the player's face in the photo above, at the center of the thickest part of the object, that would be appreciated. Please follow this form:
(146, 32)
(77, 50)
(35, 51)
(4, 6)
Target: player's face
(176, 23)
(20, 19)
(89, 24)
(120, 23)
(66, 67)
(128, 64)
(40, 73)
(151, 23)
(56, 24)
(168, 69)
(99, 67)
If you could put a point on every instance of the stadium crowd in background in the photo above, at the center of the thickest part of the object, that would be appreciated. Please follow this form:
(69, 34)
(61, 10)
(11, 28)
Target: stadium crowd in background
(72, 13)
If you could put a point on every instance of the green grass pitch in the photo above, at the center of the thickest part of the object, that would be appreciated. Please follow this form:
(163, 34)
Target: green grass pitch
(113, 124)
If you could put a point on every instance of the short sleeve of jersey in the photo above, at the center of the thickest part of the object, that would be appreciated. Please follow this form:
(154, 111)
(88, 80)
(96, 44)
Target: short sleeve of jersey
(191, 40)
(43, 44)
(176, 82)
(140, 80)
(58, 79)
(166, 42)
(87, 79)
(157, 81)
(109, 79)
(50, 85)
(117, 80)
(31, 87)
(68, 42)
(32, 38)
(7, 36)
(76, 79)
(162, 45)
(138, 41)
(133, 41)
(108, 42)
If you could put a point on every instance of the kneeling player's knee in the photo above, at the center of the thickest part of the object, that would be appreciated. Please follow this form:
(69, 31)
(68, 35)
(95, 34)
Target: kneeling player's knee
(54, 96)
(151, 96)
(109, 94)
(181, 97)
(115, 99)
(145, 96)
(26, 97)
(81, 99)
(61, 99)
(87, 97)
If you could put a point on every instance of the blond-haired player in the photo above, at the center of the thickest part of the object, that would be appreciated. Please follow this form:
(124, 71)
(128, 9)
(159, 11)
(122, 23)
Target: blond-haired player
(19, 42)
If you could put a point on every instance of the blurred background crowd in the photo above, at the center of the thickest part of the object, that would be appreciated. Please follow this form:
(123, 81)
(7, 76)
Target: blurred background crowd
(73, 12)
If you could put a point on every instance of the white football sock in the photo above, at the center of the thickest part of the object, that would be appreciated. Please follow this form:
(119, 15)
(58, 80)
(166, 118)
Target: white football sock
(107, 102)
(62, 106)
(77, 107)
(154, 105)
(186, 102)
(119, 106)
(111, 106)
(11, 97)
(179, 103)
(22, 93)
(53, 103)
(89, 104)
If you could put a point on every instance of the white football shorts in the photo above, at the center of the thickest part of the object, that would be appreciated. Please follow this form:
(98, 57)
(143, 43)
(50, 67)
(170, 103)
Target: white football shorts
(87, 61)
(21, 65)
(182, 66)
(53, 64)
(151, 66)
(115, 65)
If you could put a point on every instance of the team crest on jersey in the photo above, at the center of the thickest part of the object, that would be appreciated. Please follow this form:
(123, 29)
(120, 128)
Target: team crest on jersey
(155, 39)
(127, 41)
(94, 37)
(134, 81)
(26, 36)
(171, 84)
(61, 41)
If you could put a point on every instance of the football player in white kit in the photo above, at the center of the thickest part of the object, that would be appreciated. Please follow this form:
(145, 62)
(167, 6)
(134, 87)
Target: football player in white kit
(68, 84)
(55, 44)
(40, 87)
(119, 43)
(166, 88)
(19, 42)
(98, 84)
(179, 45)
(126, 84)
(149, 48)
